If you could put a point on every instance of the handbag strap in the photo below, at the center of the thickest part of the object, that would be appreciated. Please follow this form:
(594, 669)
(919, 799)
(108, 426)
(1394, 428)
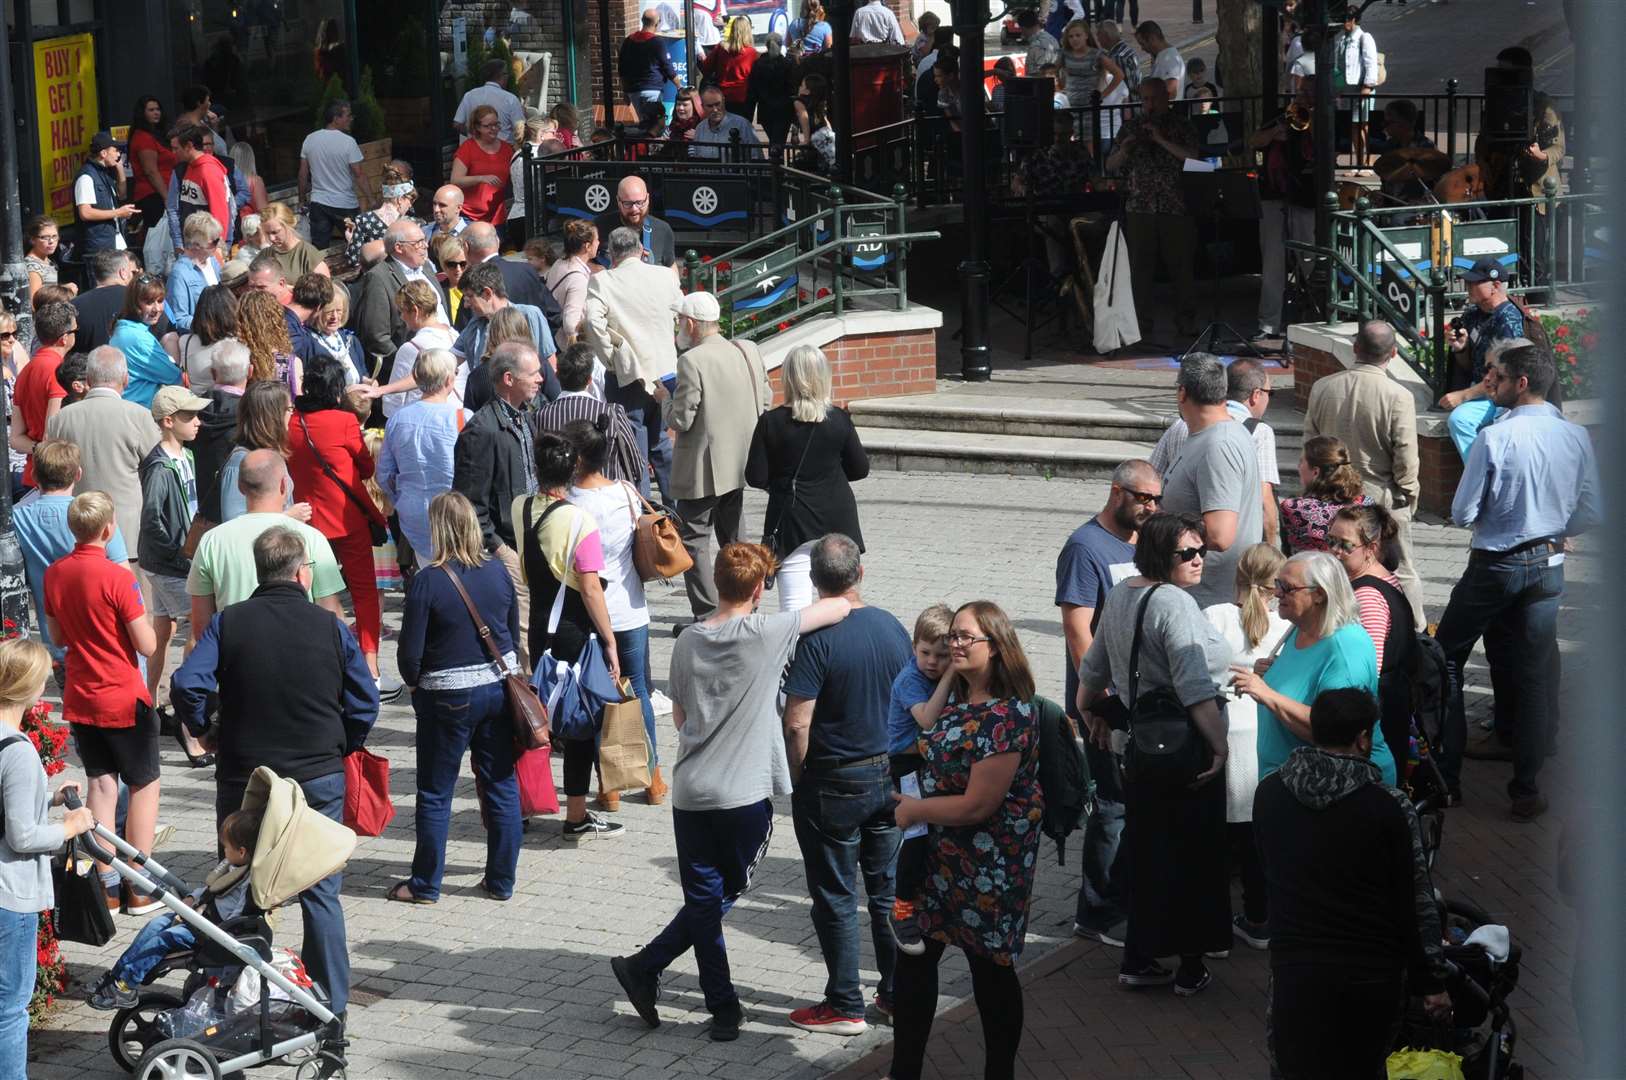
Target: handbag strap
(481, 627)
(364, 505)
(558, 610)
(794, 477)
(1134, 649)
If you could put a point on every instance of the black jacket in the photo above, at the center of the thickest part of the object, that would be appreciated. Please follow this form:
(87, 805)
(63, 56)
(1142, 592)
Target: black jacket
(377, 319)
(212, 447)
(525, 286)
(488, 467)
(822, 501)
(165, 517)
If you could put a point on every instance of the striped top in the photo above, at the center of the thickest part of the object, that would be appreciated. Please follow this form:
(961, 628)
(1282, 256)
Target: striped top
(1082, 87)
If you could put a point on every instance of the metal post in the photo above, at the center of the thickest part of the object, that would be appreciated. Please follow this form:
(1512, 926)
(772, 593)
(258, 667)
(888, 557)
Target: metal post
(841, 86)
(900, 196)
(839, 234)
(606, 61)
(1325, 258)
(1270, 65)
(14, 280)
(688, 44)
(970, 25)
(1549, 238)
(1196, 11)
(1326, 143)
(1451, 120)
(1363, 256)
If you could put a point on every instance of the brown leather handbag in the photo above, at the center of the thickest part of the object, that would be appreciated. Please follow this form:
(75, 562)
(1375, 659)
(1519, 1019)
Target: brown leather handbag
(525, 710)
(657, 549)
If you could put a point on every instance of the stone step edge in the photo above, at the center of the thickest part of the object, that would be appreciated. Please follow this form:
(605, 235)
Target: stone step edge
(921, 410)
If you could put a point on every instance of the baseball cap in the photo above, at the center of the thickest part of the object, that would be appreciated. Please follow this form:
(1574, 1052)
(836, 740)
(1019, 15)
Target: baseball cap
(174, 399)
(701, 306)
(1486, 268)
(100, 141)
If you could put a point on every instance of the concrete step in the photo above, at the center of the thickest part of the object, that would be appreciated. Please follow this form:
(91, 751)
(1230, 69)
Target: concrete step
(1106, 421)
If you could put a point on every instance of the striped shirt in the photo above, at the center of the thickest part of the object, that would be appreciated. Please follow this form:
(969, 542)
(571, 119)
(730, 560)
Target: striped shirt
(626, 461)
(1374, 611)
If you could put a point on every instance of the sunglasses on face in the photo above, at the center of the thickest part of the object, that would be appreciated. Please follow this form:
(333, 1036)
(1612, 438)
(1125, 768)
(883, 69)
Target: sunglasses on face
(1185, 555)
(1145, 498)
(1344, 546)
(1285, 589)
(455, 263)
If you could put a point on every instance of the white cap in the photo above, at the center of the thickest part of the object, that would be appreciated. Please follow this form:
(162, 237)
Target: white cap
(700, 306)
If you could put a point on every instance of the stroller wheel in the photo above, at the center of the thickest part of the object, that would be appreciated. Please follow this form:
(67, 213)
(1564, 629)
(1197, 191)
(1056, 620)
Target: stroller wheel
(178, 1059)
(134, 1030)
(326, 1065)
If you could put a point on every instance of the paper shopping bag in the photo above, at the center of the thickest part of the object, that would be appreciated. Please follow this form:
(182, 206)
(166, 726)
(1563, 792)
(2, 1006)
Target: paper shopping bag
(623, 745)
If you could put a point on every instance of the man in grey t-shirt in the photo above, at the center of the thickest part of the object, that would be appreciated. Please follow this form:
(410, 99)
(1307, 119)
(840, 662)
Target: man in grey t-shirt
(1215, 476)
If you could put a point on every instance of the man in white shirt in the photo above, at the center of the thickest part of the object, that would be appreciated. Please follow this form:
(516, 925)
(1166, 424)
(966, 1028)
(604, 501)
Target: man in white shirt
(330, 184)
(1166, 62)
(493, 92)
(874, 23)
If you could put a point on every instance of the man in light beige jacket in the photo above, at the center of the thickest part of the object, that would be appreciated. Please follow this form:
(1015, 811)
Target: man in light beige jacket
(722, 388)
(628, 323)
(1376, 417)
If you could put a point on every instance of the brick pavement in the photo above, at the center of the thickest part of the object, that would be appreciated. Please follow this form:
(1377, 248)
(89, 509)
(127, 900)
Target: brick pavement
(472, 987)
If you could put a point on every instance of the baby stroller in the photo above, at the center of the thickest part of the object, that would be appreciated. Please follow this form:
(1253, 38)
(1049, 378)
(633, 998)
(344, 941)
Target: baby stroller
(297, 847)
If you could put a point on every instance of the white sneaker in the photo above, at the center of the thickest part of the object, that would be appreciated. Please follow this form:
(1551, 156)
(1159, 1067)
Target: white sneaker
(661, 703)
(389, 688)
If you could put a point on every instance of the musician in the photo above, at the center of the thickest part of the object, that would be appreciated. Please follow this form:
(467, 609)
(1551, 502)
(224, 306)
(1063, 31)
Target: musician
(1490, 318)
(1518, 172)
(1400, 129)
(1058, 171)
(1150, 152)
(1287, 199)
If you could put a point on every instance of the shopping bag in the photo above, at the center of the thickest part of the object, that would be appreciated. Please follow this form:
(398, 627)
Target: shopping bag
(537, 795)
(1424, 1065)
(1115, 323)
(576, 691)
(387, 568)
(623, 744)
(81, 913)
(367, 807)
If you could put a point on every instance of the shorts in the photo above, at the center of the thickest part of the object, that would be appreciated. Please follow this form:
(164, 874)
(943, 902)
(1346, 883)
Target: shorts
(131, 753)
(169, 596)
(1360, 107)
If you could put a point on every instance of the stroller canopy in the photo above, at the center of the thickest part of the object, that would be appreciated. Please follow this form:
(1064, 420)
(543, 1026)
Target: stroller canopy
(297, 846)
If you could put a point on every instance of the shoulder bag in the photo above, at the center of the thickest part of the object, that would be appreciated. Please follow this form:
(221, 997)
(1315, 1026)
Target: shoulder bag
(525, 710)
(1165, 748)
(379, 531)
(657, 549)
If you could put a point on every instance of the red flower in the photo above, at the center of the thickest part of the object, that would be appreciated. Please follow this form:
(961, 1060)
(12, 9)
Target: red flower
(823, 293)
(784, 326)
(1589, 341)
(1580, 313)
(1571, 361)
(1563, 332)
(725, 267)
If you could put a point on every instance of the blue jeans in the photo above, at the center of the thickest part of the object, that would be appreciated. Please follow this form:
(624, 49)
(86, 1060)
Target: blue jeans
(449, 723)
(843, 819)
(632, 648)
(325, 952)
(162, 935)
(645, 413)
(717, 852)
(18, 957)
(1519, 594)
(1100, 893)
(1468, 420)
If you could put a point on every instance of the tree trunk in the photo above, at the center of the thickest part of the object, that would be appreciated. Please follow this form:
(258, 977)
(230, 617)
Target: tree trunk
(1239, 61)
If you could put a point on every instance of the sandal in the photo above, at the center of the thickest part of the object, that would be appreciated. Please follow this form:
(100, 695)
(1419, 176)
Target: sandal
(491, 894)
(402, 893)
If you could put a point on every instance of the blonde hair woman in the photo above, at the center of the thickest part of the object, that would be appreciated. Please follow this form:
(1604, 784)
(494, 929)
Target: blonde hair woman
(805, 455)
(296, 255)
(1251, 628)
(730, 63)
(458, 698)
(419, 303)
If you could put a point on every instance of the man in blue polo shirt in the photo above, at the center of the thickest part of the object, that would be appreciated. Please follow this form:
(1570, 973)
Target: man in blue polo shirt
(837, 692)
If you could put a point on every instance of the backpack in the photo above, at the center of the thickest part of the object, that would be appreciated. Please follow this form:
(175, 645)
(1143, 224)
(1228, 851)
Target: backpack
(1427, 674)
(1064, 775)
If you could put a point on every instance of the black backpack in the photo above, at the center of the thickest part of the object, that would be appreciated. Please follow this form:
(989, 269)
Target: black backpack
(1427, 674)
(1064, 775)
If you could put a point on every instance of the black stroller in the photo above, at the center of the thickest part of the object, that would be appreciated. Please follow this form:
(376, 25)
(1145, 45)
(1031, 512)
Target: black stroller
(158, 1036)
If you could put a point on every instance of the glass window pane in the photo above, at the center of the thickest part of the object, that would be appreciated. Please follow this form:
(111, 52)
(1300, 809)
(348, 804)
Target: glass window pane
(44, 13)
(81, 11)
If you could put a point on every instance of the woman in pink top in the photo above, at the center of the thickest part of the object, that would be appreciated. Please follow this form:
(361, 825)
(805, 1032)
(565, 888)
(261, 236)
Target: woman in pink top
(1364, 539)
(567, 279)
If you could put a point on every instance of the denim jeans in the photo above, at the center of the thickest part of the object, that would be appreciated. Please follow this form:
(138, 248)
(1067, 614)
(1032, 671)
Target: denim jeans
(18, 957)
(325, 951)
(844, 826)
(450, 722)
(325, 220)
(645, 414)
(1100, 893)
(717, 852)
(632, 648)
(162, 935)
(1518, 593)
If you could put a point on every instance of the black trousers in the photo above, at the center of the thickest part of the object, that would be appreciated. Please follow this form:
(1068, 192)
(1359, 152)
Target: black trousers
(998, 994)
(1332, 1023)
(1246, 854)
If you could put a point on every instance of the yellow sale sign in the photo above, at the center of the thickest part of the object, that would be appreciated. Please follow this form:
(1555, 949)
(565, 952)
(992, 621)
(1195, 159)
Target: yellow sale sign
(65, 97)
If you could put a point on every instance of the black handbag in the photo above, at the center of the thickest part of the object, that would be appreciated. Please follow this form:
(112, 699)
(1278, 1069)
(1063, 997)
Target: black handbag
(1165, 748)
(80, 913)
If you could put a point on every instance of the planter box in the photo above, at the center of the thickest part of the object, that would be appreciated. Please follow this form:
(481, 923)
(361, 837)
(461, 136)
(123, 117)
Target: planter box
(374, 156)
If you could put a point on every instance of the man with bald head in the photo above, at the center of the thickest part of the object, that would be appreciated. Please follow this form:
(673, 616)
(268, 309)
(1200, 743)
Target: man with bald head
(446, 212)
(632, 211)
(377, 320)
(645, 68)
(223, 570)
(1376, 417)
(525, 286)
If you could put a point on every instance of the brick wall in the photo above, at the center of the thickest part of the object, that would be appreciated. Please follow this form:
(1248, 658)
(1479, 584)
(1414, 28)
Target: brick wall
(878, 365)
(1308, 366)
(540, 29)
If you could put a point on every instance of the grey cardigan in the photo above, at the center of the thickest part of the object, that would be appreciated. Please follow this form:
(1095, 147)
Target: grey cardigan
(29, 839)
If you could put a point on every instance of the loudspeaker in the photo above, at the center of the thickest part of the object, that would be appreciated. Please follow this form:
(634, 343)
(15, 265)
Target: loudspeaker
(1029, 118)
(1510, 108)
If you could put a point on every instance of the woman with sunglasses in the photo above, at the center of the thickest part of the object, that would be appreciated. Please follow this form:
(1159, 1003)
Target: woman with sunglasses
(1327, 649)
(197, 268)
(983, 803)
(151, 362)
(1365, 540)
(1174, 837)
(452, 258)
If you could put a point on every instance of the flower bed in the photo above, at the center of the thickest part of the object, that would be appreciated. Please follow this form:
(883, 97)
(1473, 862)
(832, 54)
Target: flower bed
(1574, 337)
(51, 741)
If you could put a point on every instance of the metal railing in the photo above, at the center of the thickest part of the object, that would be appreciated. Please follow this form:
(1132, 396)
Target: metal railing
(836, 253)
(1404, 265)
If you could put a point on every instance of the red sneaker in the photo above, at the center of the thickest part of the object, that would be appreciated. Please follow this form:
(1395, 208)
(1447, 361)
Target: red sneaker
(822, 1017)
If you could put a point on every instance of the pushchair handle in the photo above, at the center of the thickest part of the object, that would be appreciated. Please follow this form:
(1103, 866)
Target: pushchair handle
(93, 848)
(1463, 979)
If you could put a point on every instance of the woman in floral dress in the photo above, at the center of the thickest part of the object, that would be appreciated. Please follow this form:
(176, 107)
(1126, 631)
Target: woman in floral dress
(983, 804)
(1330, 484)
